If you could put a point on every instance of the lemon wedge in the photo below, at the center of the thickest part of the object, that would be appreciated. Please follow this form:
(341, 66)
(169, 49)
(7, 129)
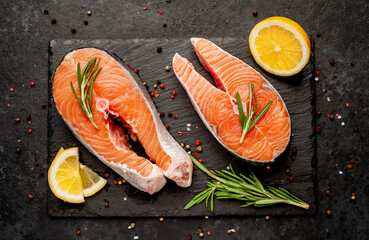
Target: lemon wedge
(70, 180)
(280, 46)
(91, 181)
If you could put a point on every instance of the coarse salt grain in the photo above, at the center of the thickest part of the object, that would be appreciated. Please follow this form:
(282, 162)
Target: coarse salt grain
(340, 172)
(129, 227)
(339, 117)
(189, 152)
(316, 79)
(135, 237)
(343, 123)
(328, 99)
(228, 167)
(232, 230)
(188, 124)
(188, 129)
(125, 198)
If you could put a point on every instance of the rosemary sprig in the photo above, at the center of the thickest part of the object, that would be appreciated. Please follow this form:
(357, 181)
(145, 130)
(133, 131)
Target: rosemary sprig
(86, 80)
(227, 184)
(249, 121)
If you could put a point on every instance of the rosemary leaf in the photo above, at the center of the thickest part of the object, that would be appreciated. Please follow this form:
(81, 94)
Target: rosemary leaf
(240, 109)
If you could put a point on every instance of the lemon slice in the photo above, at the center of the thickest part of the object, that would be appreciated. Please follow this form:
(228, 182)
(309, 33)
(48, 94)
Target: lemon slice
(91, 181)
(64, 178)
(280, 46)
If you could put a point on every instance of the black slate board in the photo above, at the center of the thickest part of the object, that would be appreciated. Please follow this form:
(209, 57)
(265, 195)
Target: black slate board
(125, 200)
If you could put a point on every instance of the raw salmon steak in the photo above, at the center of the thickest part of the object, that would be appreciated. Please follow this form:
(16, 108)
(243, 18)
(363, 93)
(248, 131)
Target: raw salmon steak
(125, 115)
(217, 106)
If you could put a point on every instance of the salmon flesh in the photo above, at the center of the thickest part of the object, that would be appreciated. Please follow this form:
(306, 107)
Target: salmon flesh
(217, 106)
(125, 115)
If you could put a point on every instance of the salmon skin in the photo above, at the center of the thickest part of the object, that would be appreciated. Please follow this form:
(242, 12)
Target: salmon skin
(123, 112)
(217, 106)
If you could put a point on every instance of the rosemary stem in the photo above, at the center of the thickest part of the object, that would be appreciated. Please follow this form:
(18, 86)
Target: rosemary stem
(301, 205)
(246, 130)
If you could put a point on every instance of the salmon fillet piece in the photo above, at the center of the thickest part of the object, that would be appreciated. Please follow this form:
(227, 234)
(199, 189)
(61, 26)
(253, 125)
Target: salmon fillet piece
(118, 97)
(217, 106)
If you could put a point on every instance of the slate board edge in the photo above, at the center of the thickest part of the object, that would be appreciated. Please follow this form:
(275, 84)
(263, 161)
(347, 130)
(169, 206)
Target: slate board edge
(312, 210)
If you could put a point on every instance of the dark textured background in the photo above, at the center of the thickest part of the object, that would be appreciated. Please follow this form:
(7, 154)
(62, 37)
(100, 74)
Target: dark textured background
(24, 35)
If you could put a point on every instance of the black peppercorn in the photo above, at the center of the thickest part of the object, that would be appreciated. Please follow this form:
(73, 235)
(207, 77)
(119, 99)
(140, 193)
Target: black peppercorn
(254, 13)
(319, 113)
(17, 120)
(73, 30)
(53, 21)
(318, 34)
(159, 49)
(162, 114)
(170, 114)
(355, 129)
(331, 62)
(46, 11)
(352, 63)
(158, 81)
(164, 25)
(42, 173)
(29, 118)
(167, 126)
(43, 106)
(85, 22)
(318, 129)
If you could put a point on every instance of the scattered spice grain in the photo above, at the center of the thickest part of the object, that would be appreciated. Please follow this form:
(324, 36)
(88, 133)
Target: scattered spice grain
(161, 114)
(167, 68)
(53, 21)
(73, 30)
(106, 175)
(352, 63)
(318, 34)
(335, 75)
(19, 149)
(331, 62)
(161, 219)
(159, 49)
(355, 129)
(85, 22)
(170, 114)
(199, 149)
(17, 120)
(43, 106)
(267, 218)
(318, 129)
(329, 212)
(89, 13)
(135, 70)
(288, 170)
(254, 13)
(164, 25)
(167, 126)
(106, 204)
(78, 232)
(30, 196)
